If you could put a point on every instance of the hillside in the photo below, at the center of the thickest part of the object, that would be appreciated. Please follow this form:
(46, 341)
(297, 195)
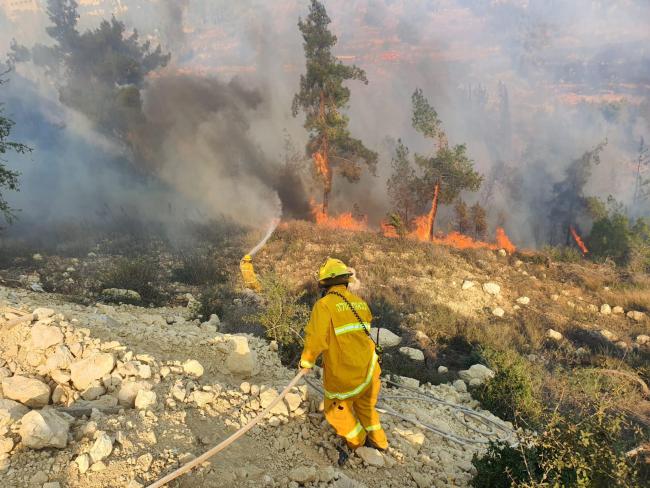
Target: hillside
(459, 307)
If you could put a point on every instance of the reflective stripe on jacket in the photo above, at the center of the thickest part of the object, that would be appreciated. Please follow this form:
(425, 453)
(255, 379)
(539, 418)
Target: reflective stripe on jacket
(349, 358)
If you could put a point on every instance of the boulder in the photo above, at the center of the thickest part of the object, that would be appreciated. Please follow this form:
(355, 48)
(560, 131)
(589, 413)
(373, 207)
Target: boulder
(642, 340)
(241, 361)
(267, 396)
(83, 463)
(467, 284)
(10, 412)
(607, 335)
(478, 372)
(618, 310)
(554, 335)
(44, 428)
(85, 371)
(605, 309)
(460, 386)
(43, 313)
(371, 456)
(202, 398)
(193, 368)
(498, 312)
(145, 399)
(636, 316)
(44, 336)
(386, 338)
(102, 447)
(129, 391)
(523, 300)
(6, 444)
(293, 401)
(413, 354)
(443, 370)
(491, 288)
(303, 474)
(413, 437)
(60, 358)
(28, 391)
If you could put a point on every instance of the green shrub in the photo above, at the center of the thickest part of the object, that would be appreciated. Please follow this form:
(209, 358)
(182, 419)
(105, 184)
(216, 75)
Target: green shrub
(563, 254)
(510, 394)
(198, 269)
(283, 315)
(140, 274)
(584, 450)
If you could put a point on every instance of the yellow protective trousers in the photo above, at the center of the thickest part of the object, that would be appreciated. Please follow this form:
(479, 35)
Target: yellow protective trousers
(248, 274)
(356, 418)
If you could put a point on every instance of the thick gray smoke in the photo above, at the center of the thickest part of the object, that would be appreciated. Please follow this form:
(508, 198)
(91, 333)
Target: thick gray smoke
(528, 85)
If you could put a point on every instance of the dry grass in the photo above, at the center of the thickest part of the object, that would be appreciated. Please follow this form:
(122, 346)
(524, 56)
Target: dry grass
(629, 298)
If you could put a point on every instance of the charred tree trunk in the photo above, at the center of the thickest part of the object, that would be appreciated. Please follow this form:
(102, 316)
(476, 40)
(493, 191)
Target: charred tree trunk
(322, 160)
(434, 209)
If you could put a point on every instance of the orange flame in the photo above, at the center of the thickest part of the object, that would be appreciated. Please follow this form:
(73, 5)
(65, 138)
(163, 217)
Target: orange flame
(578, 240)
(321, 165)
(453, 239)
(344, 221)
(388, 230)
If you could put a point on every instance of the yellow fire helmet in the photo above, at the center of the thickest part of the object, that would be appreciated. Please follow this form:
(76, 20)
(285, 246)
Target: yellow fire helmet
(248, 258)
(332, 269)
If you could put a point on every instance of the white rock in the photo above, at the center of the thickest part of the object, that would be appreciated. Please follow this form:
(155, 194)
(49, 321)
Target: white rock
(467, 284)
(10, 412)
(443, 370)
(386, 337)
(85, 371)
(371, 456)
(523, 300)
(129, 391)
(44, 336)
(414, 437)
(241, 361)
(6, 444)
(144, 371)
(193, 368)
(245, 387)
(267, 396)
(60, 358)
(28, 391)
(608, 335)
(145, 399)
(293, 400)
(618, 310)
(43, 313)
(202, 398)
(477, 371)
(413, 354)
(44, 428)
(498, 312)
(554, 335)
(643, 339)
(83, 463)
(303, 474)
(605, 309)
(636, 316)
(460, 386)
(102, 447)
(93, 392)
(491, 288)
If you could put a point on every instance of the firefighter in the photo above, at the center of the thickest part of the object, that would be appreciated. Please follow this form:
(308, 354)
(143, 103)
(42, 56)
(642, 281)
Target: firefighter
(339, 330)
(248, 273)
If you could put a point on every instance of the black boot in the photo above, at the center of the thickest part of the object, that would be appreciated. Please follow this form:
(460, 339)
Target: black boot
(371, 444)
(344, 455)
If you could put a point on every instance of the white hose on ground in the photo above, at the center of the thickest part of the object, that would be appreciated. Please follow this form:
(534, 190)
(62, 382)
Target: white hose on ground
(427, 397)
(220, 447)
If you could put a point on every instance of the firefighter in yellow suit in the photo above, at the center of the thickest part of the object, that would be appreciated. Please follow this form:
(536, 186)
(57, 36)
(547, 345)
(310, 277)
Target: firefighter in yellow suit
(248, 273)
(350, 362)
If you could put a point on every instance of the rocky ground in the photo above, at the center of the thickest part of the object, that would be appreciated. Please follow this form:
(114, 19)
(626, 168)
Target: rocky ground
(118, 396)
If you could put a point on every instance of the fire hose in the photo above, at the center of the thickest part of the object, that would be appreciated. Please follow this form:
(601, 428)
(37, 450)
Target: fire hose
(429, 398)
(381, 407)
(221, 446)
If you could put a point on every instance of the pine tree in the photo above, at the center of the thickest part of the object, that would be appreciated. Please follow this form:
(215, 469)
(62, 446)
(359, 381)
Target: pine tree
(8, 178)
(402, 186)
(322, 97)
(463, 223)
(449, 171)
(479, 221)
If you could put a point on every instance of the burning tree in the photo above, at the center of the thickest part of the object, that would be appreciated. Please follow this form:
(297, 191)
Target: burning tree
(570, 203)
(478, 217)
(449, 171)
(322, 97)
(8, 178)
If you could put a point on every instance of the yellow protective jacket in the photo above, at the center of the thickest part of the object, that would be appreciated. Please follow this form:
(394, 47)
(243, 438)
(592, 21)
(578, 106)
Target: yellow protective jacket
(349, 358)
(250, 278)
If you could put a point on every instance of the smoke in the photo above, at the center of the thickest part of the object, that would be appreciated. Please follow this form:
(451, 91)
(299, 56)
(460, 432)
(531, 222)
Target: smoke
(528, 85)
